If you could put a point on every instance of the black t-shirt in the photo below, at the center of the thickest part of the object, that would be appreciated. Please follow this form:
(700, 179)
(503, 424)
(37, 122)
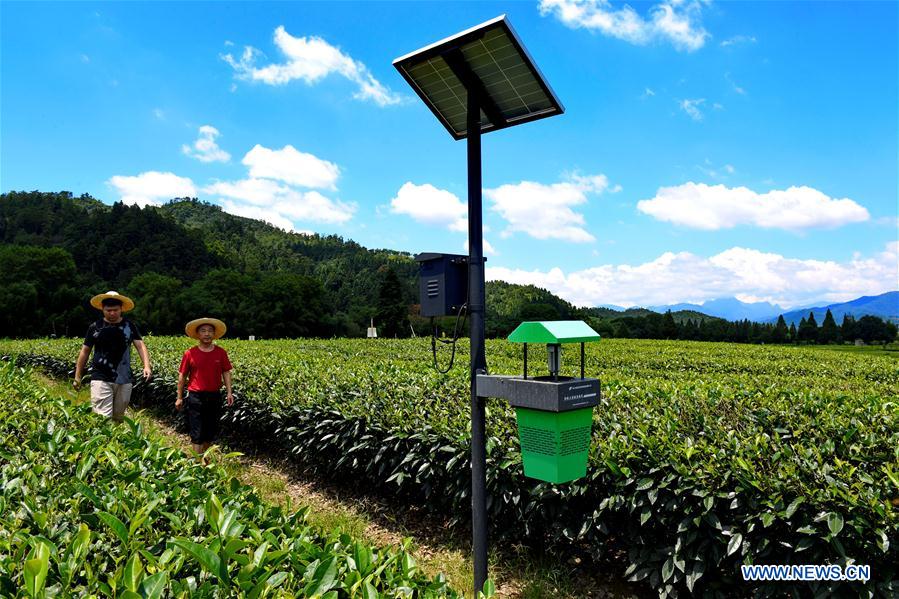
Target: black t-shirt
(111, 344)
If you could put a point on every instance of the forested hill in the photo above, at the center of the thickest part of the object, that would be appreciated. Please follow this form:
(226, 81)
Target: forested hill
(188, 258)
(184, 259)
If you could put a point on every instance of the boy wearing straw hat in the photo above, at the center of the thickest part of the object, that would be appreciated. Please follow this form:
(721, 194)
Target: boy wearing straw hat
(204, 367)
(110, 338)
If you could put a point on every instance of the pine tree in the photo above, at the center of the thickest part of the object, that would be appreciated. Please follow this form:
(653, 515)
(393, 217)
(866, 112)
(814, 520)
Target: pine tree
(848, 331)
(808, 329)
(392, 316)
(829, 332)
(668, 330)
(781, 333)
(793, 332)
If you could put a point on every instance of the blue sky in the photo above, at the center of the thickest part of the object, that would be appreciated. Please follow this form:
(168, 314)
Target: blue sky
(708, 149)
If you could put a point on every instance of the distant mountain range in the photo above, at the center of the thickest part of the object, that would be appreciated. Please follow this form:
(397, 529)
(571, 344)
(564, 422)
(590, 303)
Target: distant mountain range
(885, 306)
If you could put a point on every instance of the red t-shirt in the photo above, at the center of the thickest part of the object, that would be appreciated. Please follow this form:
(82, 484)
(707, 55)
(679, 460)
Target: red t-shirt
(204, 368)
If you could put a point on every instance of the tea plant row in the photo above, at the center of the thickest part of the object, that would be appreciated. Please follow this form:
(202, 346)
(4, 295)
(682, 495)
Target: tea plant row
(704, 456)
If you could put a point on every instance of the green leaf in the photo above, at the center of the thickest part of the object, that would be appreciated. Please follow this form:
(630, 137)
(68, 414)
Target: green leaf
(645, 513)
(134, 570)
(36, 574)
(363, 556)
(644, 483)
(794, 505)
(695, 574)
(667, 569)
(835, 523)
(369, 591)
(323, 578)
(81, 542)
(117, 526)
(736, 540)
(207, 558)
(153, 586)
(489, 589)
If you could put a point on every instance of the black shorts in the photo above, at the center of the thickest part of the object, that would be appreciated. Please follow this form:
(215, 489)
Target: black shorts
(204, 411)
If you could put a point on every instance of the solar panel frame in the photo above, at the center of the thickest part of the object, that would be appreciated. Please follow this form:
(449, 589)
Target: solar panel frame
(449, 105)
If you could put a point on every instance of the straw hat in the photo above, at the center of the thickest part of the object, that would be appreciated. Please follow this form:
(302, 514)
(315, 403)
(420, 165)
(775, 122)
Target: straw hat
(219, 326)
(127, 302)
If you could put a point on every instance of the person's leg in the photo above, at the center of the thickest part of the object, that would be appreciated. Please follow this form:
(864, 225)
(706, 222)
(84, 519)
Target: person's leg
(195, 423)
(102, 398)
(121, 399)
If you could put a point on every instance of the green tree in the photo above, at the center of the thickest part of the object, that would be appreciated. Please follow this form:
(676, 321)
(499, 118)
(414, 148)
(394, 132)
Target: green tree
(830, 332)
(292, 305)
(668, 328)
(37, 292)
(849, 329)
(157, 307)
(781, 334)
(392, 315)
(793, 333)
(808, 329)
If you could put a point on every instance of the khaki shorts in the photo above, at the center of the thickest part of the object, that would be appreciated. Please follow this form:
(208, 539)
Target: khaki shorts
(110, 399)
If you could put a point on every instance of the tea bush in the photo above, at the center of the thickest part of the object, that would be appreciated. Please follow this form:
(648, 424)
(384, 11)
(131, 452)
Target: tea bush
(705, 456)
(91, 508)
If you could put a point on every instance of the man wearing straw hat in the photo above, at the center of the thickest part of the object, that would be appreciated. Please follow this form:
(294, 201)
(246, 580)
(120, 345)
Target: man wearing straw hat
(204, 367)
(110, 338)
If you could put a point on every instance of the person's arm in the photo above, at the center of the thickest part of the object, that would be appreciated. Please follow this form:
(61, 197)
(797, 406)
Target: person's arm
(227, 378)
(79, 365)
(144, 357)
(179, 400)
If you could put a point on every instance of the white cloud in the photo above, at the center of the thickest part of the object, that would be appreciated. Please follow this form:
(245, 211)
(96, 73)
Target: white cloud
(430, 205)
(713, 207)
(205, 149)
(736, 272)
(292, 166)
(736, 88)
(152, 187)
(738, 39)
(488, 249)
(647, 93)
(278, 203)
(676, 21)
(159, 113)
(691, 107)
(85, 58)
(715, 172)
(545, 211)
(310, 59)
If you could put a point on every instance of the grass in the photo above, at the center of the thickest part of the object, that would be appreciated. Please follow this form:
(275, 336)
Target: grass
(516, 570)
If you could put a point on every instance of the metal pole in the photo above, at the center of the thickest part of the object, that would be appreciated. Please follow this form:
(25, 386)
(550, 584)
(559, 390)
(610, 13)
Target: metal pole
(476, 310)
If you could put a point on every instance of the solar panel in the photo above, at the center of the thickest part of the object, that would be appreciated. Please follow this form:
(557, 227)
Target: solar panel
(490, 56)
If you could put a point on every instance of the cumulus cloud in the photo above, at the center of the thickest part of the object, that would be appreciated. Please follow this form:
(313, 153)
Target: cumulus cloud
(278, 203)
(488, 249)
(691, 107)
(269, 192)
(205, 148)
(748, 274)
(151, 188)
(546, 211)
(674, 21)
(310, 59)
(431, 206)
(292, 166)
(713, 207)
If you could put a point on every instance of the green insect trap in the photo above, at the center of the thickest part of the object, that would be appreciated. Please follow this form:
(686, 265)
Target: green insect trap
(554, 412)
